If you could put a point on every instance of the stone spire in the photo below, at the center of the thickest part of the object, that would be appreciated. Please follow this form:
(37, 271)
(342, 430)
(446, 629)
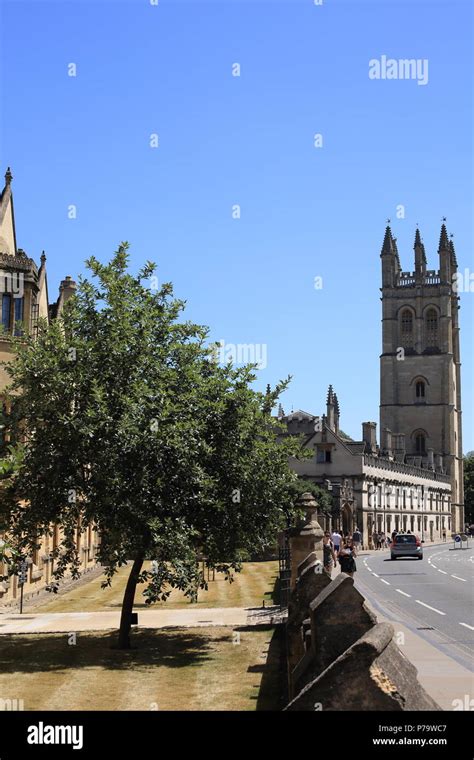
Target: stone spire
(8, 176)
(420, 256)
(387, 245)
(444, 255)
(390, 259)
(330, 409)
(454, 261)
(443, 239)
(336, 413)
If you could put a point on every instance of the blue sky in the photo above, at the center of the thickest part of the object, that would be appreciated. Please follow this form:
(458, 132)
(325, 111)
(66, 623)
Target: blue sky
(306, 212)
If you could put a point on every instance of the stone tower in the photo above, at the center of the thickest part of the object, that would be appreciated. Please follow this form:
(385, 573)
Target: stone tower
(420, 368)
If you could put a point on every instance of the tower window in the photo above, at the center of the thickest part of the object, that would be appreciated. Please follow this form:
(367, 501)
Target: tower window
(420, 443)
(431, 326)
(6, 309)
(18, 314)
(407, 328)
(420, 389)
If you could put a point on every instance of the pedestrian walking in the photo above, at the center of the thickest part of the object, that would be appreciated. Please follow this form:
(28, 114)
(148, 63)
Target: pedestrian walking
(444, 535)
(357, 538)
(329, 555)
(346, 559)
(336, 540)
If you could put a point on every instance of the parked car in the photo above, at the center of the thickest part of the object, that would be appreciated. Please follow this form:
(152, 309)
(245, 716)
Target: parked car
(406, 545)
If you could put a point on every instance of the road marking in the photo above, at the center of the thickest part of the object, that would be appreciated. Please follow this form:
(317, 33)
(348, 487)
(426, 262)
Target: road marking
(435, 566)
(374, 574)
(388, 584)
(430, 608)
(458, 578)
(471, 627)
(442, 571)
(402, 592)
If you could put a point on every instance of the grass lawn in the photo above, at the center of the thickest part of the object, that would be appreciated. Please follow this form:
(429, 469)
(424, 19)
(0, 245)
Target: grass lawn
(255, 583)
(173, 669)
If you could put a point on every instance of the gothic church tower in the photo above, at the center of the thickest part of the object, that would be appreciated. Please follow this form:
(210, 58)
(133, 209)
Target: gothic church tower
(420, 368)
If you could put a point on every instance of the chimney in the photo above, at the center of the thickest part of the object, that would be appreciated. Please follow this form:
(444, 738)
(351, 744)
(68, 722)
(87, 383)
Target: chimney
(386, 442)
(369, 436)
(430, 453)
(67, 288)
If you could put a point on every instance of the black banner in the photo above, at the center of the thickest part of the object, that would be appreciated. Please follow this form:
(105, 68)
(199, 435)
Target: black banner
(121, 735)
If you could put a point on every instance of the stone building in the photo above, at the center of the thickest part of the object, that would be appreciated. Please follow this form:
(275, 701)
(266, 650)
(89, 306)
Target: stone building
(413, 479)
(420, 365)
(24, 300)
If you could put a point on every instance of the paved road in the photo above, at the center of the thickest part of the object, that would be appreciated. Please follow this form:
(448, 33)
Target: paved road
(433, 597)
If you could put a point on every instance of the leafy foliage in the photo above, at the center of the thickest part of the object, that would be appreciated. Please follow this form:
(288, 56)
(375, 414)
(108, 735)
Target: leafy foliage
(122, 420)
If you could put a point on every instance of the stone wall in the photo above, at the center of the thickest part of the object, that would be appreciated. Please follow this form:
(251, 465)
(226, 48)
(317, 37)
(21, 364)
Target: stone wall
(339, 657)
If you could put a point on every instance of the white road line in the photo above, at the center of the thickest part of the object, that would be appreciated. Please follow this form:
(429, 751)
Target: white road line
(374, 574)
(471, 627)
(458, 578)
(430, 608)
(442, 571)
(402, 592)
(388, 584)
(435, 566)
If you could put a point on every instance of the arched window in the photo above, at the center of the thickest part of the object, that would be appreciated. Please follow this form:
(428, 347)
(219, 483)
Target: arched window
(420, 389)
(420, 443)
(407, 328)
(431, 328)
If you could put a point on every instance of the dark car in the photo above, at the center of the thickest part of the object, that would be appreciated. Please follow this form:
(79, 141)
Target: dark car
(406, 545)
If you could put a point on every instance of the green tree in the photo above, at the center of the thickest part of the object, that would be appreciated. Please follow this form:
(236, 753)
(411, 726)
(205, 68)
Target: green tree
(469, 487)
(126, 422)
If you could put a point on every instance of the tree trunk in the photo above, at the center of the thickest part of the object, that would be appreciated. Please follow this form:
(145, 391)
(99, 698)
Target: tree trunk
(127, 604)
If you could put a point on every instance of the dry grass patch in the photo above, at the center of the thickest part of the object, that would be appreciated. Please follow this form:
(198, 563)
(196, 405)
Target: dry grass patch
(170, 669)
(254, 584)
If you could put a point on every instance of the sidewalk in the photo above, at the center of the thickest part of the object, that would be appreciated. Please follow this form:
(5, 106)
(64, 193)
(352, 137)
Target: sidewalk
(69, 622)
(444, 679)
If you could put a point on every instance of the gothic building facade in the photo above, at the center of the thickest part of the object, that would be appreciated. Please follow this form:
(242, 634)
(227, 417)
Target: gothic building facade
(23, 301)
(412, 479)
(420, 365)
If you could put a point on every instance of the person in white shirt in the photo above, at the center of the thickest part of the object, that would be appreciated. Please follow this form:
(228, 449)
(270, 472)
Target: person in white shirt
(336, 539)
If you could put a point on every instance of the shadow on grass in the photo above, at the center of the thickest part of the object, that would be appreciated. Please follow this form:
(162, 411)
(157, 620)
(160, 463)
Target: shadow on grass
(272, 691)
(35, 653)
(274, 594)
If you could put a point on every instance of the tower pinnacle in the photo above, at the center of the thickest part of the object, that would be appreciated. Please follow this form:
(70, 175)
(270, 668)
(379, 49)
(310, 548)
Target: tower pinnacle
(443, 239)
